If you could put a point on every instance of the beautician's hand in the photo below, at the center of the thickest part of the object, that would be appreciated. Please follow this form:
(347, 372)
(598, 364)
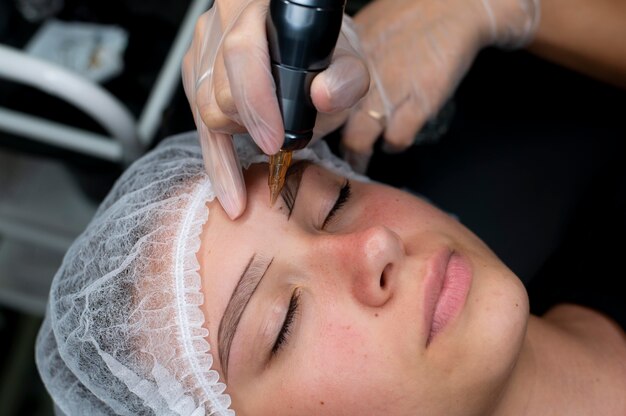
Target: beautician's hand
(229, 85)
(417, 51)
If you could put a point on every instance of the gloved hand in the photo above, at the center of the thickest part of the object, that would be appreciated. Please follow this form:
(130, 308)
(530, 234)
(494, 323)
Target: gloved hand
(417, 52)
(229, 86)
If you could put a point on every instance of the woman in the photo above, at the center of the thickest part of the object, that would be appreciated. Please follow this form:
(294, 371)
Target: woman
(346, 297)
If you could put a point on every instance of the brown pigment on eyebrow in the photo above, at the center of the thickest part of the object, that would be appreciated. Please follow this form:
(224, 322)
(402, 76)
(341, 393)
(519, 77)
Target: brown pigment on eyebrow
(234, 310)
(292, 179)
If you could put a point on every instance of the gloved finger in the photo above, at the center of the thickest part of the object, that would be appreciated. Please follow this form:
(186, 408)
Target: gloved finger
(211, 91)
(206, 102)
(222, 92)
(404, 124)
(198, 61)
(361, 130)
(358, 137)
(328, 122)
(335, 90)
(224, 170)
(366, 123)
(247, 62)
(347, 79)
(342, 85)
(220, 160)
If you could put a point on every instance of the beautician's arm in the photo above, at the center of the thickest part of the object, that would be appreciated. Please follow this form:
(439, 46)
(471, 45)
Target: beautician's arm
(418, 51)
(585, 35)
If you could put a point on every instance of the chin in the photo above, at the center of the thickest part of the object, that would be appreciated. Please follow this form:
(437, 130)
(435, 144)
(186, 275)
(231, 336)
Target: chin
(503, 319)
(501, 314)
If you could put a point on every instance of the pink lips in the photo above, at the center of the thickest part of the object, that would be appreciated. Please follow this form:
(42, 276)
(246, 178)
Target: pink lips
(447, 283)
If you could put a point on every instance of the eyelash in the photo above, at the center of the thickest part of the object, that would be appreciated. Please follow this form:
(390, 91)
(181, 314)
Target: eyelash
(344, 196)
(285, 330)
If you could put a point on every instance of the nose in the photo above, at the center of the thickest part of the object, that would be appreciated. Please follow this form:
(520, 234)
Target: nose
(367, 262)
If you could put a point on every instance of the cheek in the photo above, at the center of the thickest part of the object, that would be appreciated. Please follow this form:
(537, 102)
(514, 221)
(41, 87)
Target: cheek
(349, 366)
(396, 209)
(345, 345)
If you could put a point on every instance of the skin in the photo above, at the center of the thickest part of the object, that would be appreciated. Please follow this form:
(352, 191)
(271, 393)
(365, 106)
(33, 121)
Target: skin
(356, 339)
(586, 36)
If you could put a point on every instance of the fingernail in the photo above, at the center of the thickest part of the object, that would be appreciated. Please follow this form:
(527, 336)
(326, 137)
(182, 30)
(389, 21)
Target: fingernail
(233, 203)
(233, 208)
(268, 141)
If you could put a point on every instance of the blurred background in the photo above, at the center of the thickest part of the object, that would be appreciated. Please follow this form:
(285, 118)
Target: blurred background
(527, 154)
(64, 139)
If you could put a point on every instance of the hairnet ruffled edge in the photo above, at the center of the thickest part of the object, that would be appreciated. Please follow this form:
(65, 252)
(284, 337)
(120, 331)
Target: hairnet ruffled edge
(67, 387)
(188, 280)
(50, 358)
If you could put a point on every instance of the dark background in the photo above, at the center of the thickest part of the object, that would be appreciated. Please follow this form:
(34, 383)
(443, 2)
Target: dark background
(529, 155)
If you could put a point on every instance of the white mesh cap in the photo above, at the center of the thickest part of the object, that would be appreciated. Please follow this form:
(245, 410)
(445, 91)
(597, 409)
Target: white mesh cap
(124, 332)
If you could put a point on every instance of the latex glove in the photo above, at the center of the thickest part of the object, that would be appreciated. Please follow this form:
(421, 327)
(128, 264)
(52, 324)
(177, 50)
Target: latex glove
(229, 86)
(417, 52)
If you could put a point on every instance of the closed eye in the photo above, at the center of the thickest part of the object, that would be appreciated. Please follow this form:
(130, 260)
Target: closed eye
(285, 330)
(342, 198)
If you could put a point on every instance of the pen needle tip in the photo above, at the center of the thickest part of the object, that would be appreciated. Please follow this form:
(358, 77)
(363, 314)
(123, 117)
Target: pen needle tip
(274, 191)
(279, 163)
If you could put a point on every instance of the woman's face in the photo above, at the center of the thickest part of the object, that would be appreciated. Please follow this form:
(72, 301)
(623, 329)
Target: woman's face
(355, 300)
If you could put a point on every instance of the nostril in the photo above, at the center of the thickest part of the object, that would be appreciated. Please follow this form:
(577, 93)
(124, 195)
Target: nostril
(383, 276)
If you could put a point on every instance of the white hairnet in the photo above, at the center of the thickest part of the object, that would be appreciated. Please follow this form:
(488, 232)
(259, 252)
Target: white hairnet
(124, 332)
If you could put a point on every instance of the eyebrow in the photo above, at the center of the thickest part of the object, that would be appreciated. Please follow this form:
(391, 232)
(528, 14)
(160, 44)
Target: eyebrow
(247, 285)
(293, 178)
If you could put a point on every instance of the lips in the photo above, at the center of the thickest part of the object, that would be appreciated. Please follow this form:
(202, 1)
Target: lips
(447, 283)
